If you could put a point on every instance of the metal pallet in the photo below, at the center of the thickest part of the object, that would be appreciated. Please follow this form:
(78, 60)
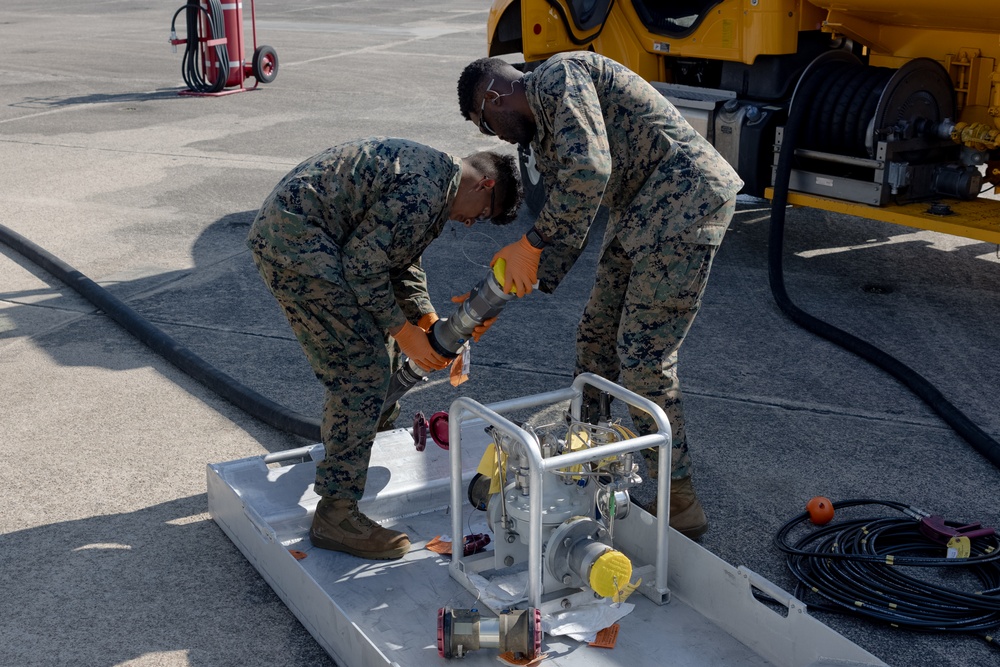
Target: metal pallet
(378, 613)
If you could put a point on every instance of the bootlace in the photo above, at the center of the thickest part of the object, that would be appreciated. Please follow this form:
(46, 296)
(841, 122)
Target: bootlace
(361, 518)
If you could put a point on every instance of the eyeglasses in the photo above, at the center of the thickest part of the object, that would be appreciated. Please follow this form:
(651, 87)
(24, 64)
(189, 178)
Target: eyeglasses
(493, 205)
(484, 127)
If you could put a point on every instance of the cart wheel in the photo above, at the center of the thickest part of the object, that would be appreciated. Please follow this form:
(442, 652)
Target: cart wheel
(265, 64)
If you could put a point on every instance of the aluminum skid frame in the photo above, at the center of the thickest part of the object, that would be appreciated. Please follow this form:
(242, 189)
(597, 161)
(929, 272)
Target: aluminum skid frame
(694, 607)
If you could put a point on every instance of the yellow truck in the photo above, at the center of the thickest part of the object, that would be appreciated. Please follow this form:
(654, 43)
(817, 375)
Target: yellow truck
(905, 127)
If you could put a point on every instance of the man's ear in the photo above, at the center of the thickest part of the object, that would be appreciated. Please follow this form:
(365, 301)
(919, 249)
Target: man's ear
(487, 183)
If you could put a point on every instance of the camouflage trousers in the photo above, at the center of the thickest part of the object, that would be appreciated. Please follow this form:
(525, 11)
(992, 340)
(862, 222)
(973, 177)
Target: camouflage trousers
(634, 323)
(353, 358)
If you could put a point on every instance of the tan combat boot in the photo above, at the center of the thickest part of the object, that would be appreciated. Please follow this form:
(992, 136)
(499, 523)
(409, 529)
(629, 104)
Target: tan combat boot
(686, 514)
(339, 526)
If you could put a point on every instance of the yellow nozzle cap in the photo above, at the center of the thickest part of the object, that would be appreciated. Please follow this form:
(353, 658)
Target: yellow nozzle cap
(500, 271)
(610, 573)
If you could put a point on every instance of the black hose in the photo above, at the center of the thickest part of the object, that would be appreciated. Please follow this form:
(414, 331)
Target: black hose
(222, 384)
(951, 415)
(193, 64)
(869, 567)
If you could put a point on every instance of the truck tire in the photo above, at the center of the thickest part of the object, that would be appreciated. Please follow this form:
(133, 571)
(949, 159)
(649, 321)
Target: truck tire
(531, 180)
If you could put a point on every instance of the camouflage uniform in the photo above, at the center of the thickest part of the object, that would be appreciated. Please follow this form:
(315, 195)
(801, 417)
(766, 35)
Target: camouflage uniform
(338, 242)
(606, 136)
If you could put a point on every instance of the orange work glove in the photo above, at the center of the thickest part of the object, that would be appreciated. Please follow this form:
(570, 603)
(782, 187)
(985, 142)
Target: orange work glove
(414, 344)
(478, 332)
(427, 320)
(521, 270)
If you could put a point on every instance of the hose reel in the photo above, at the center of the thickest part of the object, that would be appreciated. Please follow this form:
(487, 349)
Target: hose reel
(875, 134)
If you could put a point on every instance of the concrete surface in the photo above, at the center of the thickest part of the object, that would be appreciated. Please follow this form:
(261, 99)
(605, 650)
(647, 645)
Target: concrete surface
(107, 554)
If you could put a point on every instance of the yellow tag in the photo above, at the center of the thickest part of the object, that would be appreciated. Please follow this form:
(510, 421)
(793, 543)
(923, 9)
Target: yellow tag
(626, 591)
(959, 547)
(488, 466)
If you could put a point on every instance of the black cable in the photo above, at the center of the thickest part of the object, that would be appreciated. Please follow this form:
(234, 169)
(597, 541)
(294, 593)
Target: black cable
(222, 384)
(192, 63)
(807, 89)
(868, 567)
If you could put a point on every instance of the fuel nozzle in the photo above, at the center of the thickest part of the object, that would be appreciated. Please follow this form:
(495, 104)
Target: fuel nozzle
(449, 335)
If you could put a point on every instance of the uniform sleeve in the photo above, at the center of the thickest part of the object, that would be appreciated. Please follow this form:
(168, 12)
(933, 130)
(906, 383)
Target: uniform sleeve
(398, 220)
(583, 159)
(410, 287)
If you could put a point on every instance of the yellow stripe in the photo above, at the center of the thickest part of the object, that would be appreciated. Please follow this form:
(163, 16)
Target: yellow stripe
(975, 219)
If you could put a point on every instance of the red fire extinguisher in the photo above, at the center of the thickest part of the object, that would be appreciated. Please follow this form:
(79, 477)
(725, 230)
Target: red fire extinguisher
(215, 59)
(232, 21)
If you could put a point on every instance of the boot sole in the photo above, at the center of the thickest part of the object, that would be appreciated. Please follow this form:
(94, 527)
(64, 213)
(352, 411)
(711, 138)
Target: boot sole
(330, 545)
(695, 532)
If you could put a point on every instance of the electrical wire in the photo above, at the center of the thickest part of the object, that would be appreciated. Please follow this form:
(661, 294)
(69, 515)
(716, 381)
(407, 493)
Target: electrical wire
(869, 567)
(192, 63)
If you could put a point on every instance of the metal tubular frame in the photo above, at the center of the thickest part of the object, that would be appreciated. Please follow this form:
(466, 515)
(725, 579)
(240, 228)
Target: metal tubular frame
(537, 466)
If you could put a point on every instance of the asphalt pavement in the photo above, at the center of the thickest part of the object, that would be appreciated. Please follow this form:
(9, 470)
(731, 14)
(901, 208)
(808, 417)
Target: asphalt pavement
(107, 553)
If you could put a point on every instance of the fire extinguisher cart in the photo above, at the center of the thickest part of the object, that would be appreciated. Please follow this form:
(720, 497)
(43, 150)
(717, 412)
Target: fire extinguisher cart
(214, 57)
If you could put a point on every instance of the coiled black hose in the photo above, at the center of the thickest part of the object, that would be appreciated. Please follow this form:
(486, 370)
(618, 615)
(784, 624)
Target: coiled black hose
(222, 384)
(869, 567)
(192, 64)
(807, 89)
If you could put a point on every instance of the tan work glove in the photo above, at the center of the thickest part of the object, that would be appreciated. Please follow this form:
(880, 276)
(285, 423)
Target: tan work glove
(414, 344)
(521, 270)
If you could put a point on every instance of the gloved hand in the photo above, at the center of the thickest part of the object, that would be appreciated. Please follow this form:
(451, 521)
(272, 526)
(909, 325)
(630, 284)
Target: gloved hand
(414, 344)
(427, 320)
(521, 270)
(478, 332)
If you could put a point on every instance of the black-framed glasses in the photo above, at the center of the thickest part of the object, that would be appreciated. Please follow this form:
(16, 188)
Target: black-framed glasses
(484, 127)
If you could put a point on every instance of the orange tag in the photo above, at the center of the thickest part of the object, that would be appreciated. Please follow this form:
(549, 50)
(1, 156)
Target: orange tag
(509, 658)
(437, 545)
(296, 554)
(606, 638)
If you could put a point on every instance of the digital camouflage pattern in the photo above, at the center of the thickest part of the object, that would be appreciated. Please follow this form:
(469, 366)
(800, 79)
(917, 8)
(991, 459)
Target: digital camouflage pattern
(338, 243)
(606, 136)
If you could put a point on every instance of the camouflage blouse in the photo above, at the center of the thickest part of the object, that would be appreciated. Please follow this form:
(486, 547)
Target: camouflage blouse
(605, 135)
(359, 216)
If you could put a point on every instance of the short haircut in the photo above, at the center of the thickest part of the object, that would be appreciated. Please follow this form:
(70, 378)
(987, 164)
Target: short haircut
(472, 77)
(505, 171)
